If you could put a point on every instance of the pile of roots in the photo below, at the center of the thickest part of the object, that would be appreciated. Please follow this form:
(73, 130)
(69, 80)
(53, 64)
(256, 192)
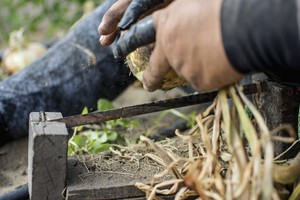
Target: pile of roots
(230, 156)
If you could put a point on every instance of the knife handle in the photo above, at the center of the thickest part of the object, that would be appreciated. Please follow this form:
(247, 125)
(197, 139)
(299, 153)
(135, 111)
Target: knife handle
(140, 34)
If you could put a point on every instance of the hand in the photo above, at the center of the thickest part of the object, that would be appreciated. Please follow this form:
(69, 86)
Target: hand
(188, 39)
(126, 12)
(110, 20)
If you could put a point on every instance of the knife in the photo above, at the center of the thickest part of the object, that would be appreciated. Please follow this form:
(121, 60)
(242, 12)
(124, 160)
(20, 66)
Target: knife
(156, 106)
(139, 34)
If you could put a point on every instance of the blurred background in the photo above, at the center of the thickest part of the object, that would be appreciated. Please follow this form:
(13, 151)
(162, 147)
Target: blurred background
(41, 19)
(29, 28)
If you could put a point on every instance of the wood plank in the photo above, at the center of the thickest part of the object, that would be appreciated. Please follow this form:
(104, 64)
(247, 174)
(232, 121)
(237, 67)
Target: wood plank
(47, 157)
(109, 176)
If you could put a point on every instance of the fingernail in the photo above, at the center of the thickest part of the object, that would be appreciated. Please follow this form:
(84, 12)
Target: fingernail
(99, 28)
(101, 38)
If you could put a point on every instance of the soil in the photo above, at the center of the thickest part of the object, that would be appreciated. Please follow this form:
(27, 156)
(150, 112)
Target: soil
(13, 165)
(13, 156)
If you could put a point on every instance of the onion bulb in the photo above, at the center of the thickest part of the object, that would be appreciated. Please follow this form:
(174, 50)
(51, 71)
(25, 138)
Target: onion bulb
(138, 61)
(20, 52)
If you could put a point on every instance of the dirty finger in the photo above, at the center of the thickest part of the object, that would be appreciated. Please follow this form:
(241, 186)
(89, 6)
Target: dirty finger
(112, 17)
(136, 9)
(107, 40)
(156, 70)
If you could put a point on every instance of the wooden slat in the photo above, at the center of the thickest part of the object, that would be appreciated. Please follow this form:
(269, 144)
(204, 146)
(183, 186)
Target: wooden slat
(115, 181)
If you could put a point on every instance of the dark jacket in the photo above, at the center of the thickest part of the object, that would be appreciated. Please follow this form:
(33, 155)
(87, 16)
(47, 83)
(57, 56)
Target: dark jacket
(263, 35)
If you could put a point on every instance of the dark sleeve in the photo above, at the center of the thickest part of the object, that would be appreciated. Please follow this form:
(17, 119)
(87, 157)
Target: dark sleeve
(263, 35)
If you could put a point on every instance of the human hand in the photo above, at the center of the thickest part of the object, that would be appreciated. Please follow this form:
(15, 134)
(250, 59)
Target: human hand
(188, 39)
(123, 14)
(110, 20)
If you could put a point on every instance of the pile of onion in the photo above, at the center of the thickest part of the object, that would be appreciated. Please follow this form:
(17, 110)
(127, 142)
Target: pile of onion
(21, 53)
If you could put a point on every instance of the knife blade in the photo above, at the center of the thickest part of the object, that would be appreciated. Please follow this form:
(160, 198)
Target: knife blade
(146, 108)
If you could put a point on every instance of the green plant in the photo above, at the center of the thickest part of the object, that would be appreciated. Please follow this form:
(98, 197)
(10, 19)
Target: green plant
(98, 138)
(189, 117)
(41, 19)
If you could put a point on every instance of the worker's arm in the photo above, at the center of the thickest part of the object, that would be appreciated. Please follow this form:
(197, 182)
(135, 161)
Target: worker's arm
(263, 36)
(213, 43)
(188, 39)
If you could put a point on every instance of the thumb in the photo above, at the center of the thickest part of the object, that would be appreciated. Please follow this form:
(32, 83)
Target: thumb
(158, 65)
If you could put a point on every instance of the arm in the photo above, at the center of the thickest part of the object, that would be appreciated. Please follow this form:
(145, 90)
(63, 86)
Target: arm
(263, 36)
(214, 43)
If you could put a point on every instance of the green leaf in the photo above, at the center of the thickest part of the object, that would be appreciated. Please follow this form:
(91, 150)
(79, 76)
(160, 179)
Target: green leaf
(96, 147)
(104, 104)
(125, 123)
(179, 114)
(85, 111)
(103, 137)
(134, 123)
(249, 113)
(93, 143)
(79, 140)
(112, 136)
(96, 140)
(192, 119)
(109, 125)
(162, 115)
(91, 135)
(99, 148)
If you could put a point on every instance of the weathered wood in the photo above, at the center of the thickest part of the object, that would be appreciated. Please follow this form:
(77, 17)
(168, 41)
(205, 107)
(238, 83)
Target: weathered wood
(164, 197)
(47, 157)
(111, 175)
(74, 73)
(279, 105)
(112, 183)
